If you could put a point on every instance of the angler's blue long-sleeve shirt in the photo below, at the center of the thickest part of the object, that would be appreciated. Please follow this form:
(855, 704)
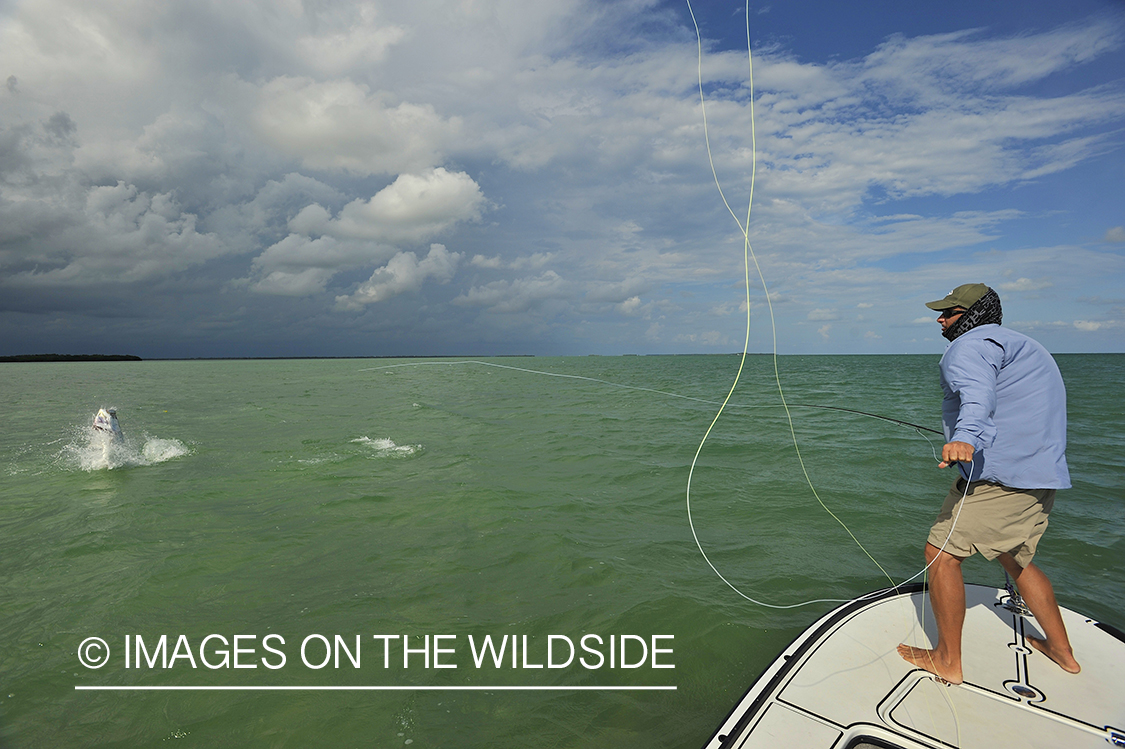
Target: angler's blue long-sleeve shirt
(1005, 397)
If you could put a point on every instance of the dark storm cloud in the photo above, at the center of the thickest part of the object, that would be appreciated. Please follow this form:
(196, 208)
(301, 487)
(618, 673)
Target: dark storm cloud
(60, 126)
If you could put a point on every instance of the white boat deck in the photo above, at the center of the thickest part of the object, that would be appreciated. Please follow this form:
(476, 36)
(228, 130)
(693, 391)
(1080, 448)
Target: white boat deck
(843, 685)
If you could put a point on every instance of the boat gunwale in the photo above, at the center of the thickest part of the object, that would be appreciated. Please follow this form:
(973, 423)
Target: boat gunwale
(807, 639)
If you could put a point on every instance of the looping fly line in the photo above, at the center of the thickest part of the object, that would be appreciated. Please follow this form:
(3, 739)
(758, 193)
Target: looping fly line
(748, 256)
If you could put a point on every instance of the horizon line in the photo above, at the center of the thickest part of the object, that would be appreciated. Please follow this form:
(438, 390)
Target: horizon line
(133, 359)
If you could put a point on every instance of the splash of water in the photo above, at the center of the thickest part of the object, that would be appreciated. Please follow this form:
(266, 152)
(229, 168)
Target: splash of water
(91, 450)
(387, 448)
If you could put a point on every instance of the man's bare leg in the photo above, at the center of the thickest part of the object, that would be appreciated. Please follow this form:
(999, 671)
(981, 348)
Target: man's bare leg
(1037, 593)
(947, 598)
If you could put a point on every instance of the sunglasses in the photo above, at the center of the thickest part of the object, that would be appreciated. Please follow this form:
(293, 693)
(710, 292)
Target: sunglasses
(951, 313)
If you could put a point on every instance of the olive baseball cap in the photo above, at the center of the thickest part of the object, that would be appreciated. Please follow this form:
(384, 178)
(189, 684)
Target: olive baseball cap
(965, 295)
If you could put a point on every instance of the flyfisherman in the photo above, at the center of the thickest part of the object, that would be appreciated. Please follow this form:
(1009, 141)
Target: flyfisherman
(1004, 414)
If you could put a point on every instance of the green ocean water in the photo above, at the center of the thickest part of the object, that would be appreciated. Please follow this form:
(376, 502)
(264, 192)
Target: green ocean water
(450, 499)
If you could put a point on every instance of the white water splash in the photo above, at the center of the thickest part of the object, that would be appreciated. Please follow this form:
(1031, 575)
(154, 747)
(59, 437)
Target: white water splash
(387, 448)
(90, 450)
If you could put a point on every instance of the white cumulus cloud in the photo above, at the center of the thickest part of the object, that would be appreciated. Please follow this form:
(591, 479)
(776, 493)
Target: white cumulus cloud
(411, 209)
(342, 125)
(404, 272)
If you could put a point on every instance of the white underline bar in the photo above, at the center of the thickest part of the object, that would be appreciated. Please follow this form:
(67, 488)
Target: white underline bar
(370, 689)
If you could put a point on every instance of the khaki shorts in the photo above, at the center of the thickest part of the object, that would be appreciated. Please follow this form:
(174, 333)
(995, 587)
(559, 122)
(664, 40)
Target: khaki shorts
(994, 520)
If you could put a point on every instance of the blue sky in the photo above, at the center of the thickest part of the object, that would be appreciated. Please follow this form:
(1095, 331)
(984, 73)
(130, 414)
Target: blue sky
(460, 177)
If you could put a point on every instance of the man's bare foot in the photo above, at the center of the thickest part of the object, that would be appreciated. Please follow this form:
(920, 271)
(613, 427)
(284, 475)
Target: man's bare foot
(1064, 659)
(930, 661)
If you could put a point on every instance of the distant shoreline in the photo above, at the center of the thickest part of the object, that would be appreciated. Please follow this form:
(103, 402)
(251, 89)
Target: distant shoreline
(131, 357)
(69, 357)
